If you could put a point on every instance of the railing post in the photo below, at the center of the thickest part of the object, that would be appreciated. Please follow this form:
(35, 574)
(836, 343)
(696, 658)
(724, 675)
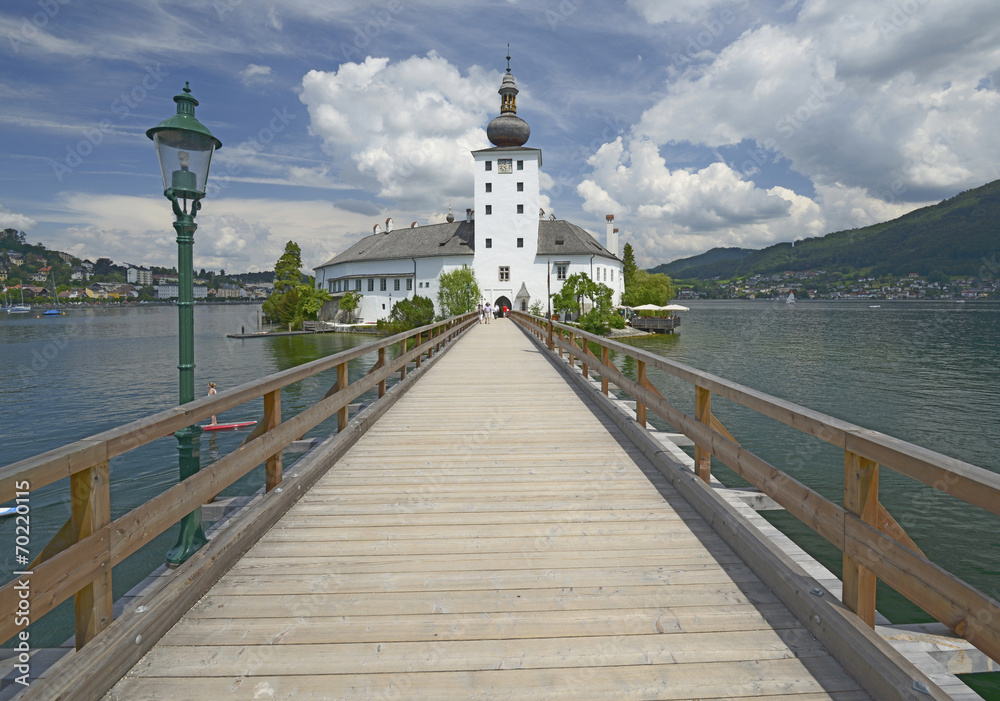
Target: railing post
(381, 363)
(552, 343)
(406, 346)
(640, 379)
(583, 358)
(342, 385)
(419, 355)
(272, 417)
(703, 412)
(861, 499)
(90, 512)
(572, 343)
(605, 362)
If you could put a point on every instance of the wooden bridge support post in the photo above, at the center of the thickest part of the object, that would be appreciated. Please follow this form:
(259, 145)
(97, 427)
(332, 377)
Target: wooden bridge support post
(583, 358)
(404, 346)
(572, 344)
(640, 379)
(604, 375)
(90, 504)
(342, 385)
(560, 331)
(381, 363)
(420, 337)
(703, 412)
(861, 499)
(272, 419)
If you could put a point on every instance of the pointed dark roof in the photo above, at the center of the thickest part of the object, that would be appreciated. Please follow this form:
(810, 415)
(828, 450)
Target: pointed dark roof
(447, 239)
(559, 237)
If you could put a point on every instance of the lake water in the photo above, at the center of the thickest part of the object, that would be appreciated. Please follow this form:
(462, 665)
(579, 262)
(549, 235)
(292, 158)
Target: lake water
(926, 372)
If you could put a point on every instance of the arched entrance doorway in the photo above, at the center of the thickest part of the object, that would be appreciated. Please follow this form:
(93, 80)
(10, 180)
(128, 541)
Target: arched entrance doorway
(502, 301)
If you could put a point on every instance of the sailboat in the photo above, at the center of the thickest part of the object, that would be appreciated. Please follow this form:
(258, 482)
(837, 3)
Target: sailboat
(791, 298)
(21, 308)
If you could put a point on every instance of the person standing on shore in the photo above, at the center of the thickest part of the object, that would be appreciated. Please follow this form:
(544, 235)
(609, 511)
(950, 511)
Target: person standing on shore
(212, 391)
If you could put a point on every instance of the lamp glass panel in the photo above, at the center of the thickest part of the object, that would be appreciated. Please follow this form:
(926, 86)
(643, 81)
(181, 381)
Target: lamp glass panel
(185, 158)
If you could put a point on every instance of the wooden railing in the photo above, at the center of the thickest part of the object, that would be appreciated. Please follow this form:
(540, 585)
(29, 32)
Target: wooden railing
(78, 562)
(873, 544)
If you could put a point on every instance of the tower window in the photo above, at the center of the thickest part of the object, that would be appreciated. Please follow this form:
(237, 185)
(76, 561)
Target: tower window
(489, 165)
(489, 187)
(381, 284)
(357, 284)
(520, 243)
(520, 209)
(489, 243)
(520, 165)
(395, 285)
(504, 273)
(520, 187)
(371, 284)
(489, 209)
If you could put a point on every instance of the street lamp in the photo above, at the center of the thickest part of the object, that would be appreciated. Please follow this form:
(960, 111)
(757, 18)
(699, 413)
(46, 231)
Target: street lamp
(184, 147)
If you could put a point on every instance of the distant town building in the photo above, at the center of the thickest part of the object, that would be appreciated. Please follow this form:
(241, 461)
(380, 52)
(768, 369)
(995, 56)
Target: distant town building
(139, 276)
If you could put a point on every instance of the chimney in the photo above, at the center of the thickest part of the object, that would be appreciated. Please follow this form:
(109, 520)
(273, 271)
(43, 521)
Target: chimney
(413, 225)
(376, 229)
(388, 225)
(611, 239)
(468, 215)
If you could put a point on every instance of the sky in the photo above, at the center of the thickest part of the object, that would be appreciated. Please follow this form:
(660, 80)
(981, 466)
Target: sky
(697, 123)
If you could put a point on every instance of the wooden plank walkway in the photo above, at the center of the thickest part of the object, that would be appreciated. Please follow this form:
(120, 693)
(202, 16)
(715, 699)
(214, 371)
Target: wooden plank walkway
(490, 537)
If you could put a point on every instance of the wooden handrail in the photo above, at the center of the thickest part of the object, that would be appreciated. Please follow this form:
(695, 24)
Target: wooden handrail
(80, 560)
(872, 543)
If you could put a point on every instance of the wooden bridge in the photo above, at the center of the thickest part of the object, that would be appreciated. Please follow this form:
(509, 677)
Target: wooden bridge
(493, 526)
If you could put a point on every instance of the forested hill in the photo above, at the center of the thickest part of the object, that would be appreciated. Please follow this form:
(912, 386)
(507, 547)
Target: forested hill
(679, 267)
(949, 238)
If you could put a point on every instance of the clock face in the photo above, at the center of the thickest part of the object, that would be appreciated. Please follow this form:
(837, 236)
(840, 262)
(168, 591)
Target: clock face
(504, 165)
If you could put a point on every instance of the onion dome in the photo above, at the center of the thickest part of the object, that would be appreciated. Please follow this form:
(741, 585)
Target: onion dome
(451, 217)
(508, 129)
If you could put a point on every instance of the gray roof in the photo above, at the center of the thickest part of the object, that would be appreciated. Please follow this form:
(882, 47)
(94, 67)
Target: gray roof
(458, 239)
(447, 239)
(575, 241)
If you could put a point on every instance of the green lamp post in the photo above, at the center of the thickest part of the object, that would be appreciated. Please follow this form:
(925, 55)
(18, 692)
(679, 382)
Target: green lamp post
(184, 147)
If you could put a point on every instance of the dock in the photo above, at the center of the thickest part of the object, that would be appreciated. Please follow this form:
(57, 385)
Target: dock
(495, 525)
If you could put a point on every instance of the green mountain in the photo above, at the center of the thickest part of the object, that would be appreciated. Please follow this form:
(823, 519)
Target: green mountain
(680, 266)
(950, 238)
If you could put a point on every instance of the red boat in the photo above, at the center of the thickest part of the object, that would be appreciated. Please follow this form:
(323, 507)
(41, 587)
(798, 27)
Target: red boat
(226, 427)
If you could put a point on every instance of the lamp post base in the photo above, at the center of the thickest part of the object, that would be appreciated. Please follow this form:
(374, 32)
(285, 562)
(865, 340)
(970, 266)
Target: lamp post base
(191, 537)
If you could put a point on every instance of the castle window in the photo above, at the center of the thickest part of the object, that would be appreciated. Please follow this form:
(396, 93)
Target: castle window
(520, 165)
(409, 283)
(489, 165)
(371, 284)
(504, 273)
(357, 285)
(489, 187)
(520, 209)
(381, 284)
(395, 285)
(520, 243)
(489, 209)
(561, 270)
(520, 187)
(489, 243)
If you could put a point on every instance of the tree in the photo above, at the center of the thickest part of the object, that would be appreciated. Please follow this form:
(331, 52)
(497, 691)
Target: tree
(407, 314)
(649, 288)
(628, 261)
(350, 303)
(458, 291)
(288, 269)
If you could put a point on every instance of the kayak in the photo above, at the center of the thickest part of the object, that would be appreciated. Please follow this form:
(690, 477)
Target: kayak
(225, 427)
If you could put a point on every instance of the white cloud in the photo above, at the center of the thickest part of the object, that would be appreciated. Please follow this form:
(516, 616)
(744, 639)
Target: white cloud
(234, 234)
(13, 220)
(403, 129)
(254, 76)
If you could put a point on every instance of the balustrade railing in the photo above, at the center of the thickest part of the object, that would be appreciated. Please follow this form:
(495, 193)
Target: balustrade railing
(873, 544)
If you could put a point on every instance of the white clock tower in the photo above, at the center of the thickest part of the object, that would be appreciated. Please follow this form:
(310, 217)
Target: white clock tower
(507, 206)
